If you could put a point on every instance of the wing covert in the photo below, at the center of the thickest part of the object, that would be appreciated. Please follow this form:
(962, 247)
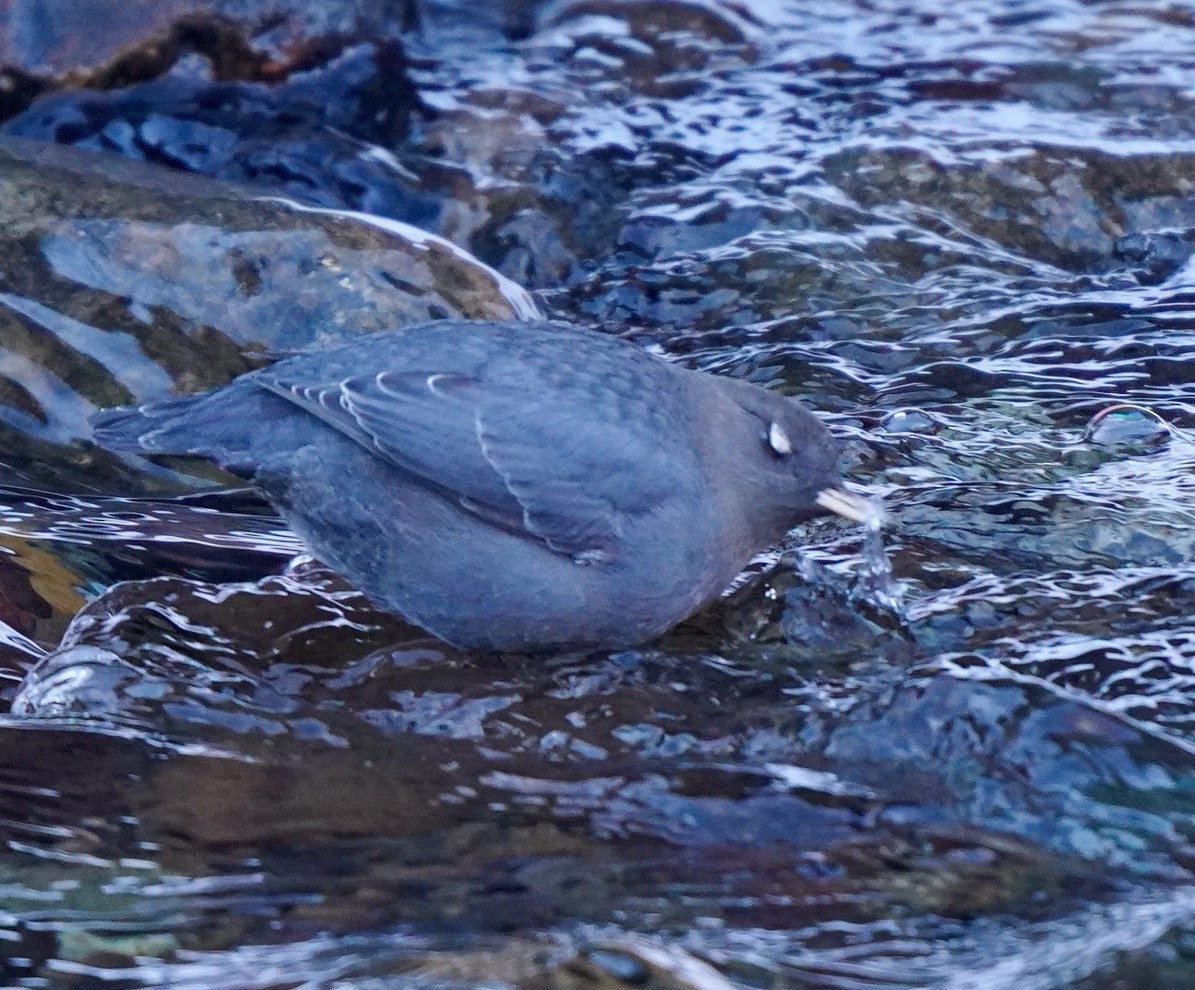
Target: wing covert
(536, 457)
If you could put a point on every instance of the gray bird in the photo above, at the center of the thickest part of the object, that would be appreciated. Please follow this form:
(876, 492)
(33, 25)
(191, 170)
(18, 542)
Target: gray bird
(512, 486)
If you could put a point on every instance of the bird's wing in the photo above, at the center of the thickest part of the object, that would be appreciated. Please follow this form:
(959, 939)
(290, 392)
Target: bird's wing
(564, 463)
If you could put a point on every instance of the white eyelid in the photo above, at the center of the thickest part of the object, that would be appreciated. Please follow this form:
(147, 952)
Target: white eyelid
(779, 440)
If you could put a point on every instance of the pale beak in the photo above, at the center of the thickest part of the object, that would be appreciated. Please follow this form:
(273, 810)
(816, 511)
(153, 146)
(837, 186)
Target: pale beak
(851, 507)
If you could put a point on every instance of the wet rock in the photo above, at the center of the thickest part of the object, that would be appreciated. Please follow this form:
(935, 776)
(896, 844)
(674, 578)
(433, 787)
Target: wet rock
(56, 549)
(785, 803)
(314, 136)
(39, 594)
(58, 38)
(800, 614)
(535, 211)
(749, 281)
(112, 660)
(120, 282)
(631, 963)
(670, 225)
(1155, 255)
(504, 783)
(663, 41)
(983, 741)
(558, 174)
(1109, 507)
(1066, 207)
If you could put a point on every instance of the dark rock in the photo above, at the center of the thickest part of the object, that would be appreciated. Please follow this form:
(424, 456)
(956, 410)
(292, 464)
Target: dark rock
(314, 136)
(140, 38)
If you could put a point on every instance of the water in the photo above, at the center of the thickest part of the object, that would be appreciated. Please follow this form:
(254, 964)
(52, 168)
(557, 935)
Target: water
(957, 754)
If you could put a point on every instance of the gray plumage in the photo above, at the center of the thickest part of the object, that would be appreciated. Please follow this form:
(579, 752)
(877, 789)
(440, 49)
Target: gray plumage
(510, 485)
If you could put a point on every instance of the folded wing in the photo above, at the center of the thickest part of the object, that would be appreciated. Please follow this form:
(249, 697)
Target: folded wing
(566, 458)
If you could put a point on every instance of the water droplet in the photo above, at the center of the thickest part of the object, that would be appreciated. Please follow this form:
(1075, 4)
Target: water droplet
(1127, 425)
(910, 421)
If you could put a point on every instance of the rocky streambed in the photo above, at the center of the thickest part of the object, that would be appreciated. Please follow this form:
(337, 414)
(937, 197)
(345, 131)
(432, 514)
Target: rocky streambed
(962, 232)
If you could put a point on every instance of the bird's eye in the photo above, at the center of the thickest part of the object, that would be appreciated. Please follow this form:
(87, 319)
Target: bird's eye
(778, 440)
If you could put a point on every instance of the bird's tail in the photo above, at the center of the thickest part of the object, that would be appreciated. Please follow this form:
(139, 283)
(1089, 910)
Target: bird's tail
(223, 425)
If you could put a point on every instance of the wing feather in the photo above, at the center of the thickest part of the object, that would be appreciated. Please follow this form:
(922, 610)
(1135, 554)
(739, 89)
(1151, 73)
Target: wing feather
(530, 452)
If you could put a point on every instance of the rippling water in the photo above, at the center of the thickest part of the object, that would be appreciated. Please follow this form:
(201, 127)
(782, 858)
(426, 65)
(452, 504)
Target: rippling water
(962, 231)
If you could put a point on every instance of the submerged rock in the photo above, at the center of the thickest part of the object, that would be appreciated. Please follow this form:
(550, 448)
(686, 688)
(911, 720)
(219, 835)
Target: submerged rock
(1070, 207)
(54, 549)
(752, 792)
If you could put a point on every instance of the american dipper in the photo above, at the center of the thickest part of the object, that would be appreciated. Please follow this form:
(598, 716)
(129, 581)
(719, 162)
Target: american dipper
(512, 486)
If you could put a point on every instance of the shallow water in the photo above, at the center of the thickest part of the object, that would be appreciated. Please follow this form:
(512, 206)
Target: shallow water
(961, 232)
